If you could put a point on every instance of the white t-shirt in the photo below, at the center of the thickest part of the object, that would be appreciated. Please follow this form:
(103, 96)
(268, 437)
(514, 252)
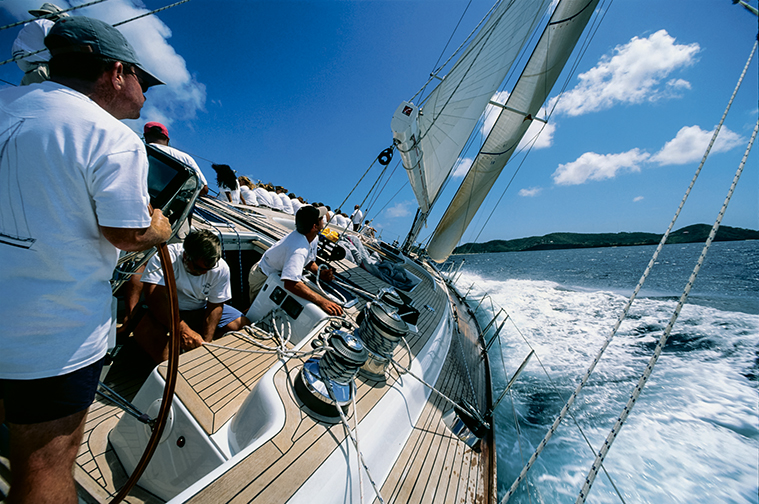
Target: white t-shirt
(286, 205)
(192, 291)
(288, 257)
(296, 204)
(67, 167)
(263, 197)
(249, 195)
(356, 216)
(275, 201)
(234, 191)
(183, 157)
(31, 39)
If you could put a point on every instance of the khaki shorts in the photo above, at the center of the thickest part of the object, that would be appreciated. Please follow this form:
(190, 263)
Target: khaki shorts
(256, 280)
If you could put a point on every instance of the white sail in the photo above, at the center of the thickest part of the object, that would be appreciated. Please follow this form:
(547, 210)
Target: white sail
(431, 140)
(531, 90)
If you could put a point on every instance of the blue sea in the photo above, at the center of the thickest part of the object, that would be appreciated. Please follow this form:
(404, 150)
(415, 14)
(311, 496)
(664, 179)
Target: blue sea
(692, 437)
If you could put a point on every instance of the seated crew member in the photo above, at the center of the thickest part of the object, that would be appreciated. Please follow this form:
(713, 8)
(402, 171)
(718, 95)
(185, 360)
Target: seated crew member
(289, 256)
(202, 279)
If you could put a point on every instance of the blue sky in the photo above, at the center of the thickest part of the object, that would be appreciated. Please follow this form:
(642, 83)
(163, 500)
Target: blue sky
(301, 94)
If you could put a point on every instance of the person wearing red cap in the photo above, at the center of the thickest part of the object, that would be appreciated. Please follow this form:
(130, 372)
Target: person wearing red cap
(157, 135)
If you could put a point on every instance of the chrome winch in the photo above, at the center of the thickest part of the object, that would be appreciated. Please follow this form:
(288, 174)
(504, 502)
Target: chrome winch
(381, 329)
(324, 384)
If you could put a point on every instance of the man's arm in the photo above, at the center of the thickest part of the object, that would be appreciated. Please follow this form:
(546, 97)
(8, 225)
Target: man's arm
(157, 299)
(213, 317)
(302, 290)
(136, 239)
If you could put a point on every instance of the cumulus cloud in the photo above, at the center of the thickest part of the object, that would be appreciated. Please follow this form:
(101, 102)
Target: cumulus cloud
(633, 74)
(530, 191)
(691, 142)
(182, 96)
(592, 166)
(402, 209)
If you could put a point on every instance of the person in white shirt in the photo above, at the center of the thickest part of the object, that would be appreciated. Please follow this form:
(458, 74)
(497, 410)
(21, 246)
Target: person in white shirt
(229, 187)
(291, 255)
(79, 195)
(276, 202)
(203, 287)
(287, 207)
(157, 135)
(296, 202)
(356, 217)
(31, 39)
(263, 196)
(246, 190)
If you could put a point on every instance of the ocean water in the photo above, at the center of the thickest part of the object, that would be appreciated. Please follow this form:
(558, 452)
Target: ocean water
(693, 435)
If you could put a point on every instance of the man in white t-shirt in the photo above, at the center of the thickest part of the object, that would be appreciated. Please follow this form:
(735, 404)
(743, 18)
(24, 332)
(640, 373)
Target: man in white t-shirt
(356, 217)
(78, 195)
(203, 287)
(287, 207)
(291, 255)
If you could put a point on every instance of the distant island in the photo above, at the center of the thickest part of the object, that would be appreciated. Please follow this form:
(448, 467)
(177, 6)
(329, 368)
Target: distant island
(554, 241)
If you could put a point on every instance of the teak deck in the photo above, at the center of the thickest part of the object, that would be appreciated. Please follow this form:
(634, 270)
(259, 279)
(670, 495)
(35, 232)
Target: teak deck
(434, 465)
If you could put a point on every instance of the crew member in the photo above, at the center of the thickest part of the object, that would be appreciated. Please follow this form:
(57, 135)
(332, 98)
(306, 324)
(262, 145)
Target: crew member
(202, 279)
(79, 194)
(291, 255)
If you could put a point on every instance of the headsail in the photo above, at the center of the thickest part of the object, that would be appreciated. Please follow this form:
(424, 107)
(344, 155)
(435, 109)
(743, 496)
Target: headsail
(431, 139)
(531, 90)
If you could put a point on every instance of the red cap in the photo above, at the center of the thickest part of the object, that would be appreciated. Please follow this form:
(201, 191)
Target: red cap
(153, 124)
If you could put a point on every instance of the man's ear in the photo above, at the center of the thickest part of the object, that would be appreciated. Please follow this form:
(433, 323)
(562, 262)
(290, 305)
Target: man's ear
(116, 75)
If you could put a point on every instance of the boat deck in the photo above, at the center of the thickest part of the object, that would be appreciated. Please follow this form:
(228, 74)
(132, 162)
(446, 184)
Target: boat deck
(433, 466)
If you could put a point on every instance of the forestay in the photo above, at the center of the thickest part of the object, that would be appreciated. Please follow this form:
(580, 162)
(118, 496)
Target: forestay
(531, 90)
(431, 142)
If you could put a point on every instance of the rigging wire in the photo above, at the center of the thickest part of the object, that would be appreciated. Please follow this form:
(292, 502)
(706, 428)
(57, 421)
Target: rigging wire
(626, 309)
(667, 331)
(51, 15)
(597, 20)
(26, 55)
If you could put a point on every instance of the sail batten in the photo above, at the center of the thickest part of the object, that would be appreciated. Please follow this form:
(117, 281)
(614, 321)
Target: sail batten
(530, 92)
(431, 142)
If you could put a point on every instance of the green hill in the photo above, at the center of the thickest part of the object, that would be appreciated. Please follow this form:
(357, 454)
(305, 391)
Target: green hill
(553, 241)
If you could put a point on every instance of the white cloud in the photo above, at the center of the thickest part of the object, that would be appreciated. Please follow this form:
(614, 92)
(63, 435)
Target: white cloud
(181, 97)
(632, 75)
(402, 209)
(592, 166)
(462, 167)
(530, 191)
(691, 142)
(637, 199)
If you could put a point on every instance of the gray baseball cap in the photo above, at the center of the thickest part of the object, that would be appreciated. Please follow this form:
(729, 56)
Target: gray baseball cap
(89, 35)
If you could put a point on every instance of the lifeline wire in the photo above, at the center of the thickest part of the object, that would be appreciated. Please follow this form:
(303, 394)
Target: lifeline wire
(663, 340)
(622, 316)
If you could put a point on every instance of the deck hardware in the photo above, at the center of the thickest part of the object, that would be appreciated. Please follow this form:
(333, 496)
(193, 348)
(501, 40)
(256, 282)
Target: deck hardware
(511, 382)
(429, 308)
(497, 332)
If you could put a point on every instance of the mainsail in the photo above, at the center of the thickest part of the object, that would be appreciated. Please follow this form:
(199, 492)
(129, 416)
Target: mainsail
(431, 139)
(531, 90)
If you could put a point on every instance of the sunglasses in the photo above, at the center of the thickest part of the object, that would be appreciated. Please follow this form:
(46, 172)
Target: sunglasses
(143, 84)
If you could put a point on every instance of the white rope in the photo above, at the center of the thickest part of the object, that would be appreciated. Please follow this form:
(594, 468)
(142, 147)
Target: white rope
(626, 309)
(663, 340)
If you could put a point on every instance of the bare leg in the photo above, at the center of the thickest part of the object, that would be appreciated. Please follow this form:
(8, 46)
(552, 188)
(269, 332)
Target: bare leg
(151, 335)
(235, 325)
(42, 460)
